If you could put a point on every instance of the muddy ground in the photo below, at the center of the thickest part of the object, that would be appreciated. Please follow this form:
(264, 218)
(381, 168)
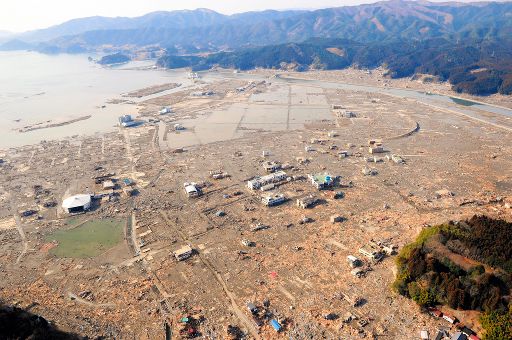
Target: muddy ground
(136, 287)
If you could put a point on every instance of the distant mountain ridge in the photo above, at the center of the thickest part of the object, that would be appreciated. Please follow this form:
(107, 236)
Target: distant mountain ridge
(207, 30)
(182, 19)
(479, 67)
(467, 44)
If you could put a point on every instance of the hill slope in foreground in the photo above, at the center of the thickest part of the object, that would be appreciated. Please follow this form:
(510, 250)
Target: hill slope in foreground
(466, 265)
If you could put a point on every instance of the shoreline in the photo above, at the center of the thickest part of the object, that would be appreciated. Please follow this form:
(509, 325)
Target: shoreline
(349, 77)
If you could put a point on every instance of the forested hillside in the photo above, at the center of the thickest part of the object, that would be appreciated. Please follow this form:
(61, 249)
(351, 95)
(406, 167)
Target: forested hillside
(465, 265)
(467, 44)
(479, 67)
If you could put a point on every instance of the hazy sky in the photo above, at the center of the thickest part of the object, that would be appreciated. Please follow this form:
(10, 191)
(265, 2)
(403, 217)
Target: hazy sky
(22, 15)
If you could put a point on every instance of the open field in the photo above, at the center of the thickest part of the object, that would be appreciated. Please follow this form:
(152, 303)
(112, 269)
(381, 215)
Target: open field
(293, 271)
(88, 239)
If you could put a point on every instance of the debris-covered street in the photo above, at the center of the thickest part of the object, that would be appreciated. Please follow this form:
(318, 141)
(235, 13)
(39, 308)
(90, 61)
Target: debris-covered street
(250, 208)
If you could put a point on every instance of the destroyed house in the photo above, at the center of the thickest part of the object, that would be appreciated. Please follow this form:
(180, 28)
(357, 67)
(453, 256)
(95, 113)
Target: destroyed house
(128, 182)
(343, 154)
(218, 174)
(397, 159)
(358, 272)
(440, 335)
(129, 191)
(126, 121)
(371, 254)
(258, 227)
(344, 114)
(307, 202)
(375, 149)
(273, 200)
(458, 336)
(466, 330)
(353, 261)
(109, 184)
(258, 182)
(271, 166)
(252, 308)
(435, 312)
(353, 300)
(449, 318)
(165, 110)
(183, 253)
(192, 190)
(322, 181)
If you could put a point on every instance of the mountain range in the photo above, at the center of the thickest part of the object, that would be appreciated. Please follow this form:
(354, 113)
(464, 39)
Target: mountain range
(468, 44)
(206, 30)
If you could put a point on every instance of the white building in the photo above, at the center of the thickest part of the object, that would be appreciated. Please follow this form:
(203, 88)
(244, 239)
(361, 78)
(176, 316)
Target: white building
(77, 203)
(371, 254)
(183, 253)
(353, 261)
(164, 111)
(192, 190)
(258, 182)
(273, 200)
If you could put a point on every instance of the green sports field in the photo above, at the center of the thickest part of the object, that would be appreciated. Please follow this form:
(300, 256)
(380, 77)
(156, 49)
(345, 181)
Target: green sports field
(88, 239)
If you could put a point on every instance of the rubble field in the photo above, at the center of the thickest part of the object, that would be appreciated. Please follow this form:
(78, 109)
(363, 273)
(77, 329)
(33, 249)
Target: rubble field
(391, 167)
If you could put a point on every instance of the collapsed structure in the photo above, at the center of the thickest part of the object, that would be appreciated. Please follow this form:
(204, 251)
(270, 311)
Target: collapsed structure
(126, 121)
(375, 146)
(273, 200)
(183, 253)
(307, 202)
(258, 182)
(192, 190)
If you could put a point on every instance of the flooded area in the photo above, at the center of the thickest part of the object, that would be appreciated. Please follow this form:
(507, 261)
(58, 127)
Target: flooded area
(72, 96)
(441, 101)
(122, 252)
(280, 108)
(37, 88)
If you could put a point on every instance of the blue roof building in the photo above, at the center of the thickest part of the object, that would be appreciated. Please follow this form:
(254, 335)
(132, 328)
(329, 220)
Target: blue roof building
(276, 325)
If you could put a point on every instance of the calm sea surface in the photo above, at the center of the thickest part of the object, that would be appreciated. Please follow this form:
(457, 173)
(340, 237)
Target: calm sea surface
(36, 88)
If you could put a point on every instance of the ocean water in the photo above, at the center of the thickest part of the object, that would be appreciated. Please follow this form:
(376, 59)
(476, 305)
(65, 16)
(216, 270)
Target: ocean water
(37, 88)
